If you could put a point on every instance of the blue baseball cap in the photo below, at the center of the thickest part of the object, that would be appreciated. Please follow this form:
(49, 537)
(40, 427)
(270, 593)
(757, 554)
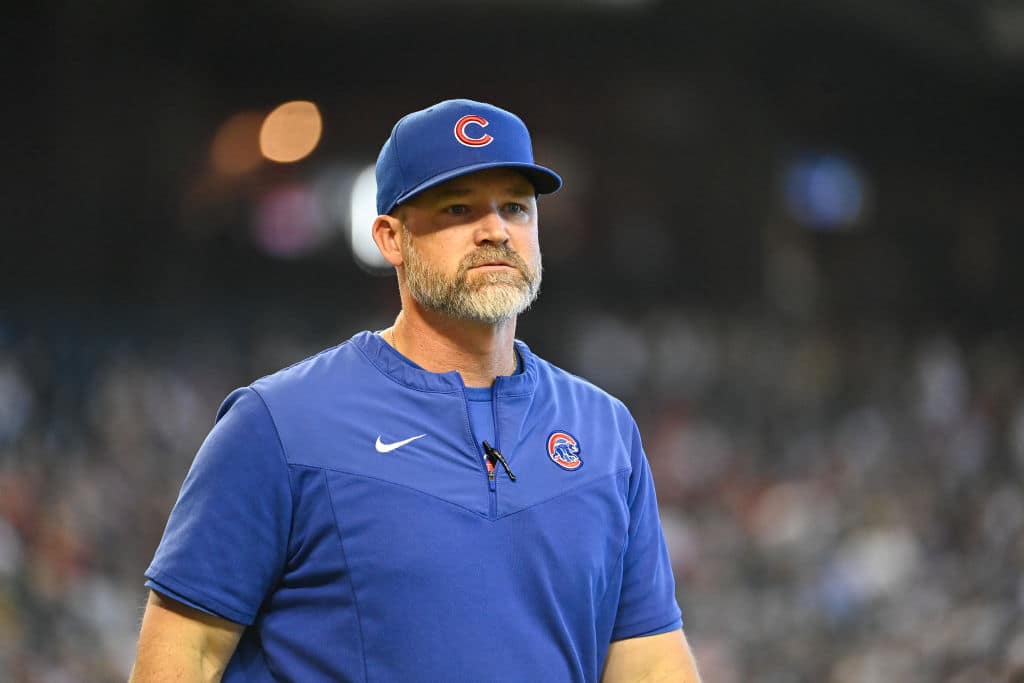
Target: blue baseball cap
(451, 139)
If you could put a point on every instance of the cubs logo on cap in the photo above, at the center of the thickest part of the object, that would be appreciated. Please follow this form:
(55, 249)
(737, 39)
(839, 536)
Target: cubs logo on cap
(564, 450)
(451, 139)
(464, 138)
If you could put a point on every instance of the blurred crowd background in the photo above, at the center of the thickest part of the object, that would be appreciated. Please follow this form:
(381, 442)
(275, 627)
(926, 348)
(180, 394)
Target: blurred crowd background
(788, 240)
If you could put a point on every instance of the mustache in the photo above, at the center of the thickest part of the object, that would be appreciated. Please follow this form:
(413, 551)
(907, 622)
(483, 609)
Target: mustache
(491, 253)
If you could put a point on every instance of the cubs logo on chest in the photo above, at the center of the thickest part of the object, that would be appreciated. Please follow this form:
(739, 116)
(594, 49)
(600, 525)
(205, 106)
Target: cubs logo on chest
(564, 450)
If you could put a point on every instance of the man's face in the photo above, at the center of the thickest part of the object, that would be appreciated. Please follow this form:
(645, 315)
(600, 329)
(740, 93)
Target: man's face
(470, 249)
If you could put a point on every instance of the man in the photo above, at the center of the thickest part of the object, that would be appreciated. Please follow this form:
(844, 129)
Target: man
(434, 502)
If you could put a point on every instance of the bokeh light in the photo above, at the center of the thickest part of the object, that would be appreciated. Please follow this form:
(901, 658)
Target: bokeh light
(291, 131)
(288, 222)
(825, 192)
(362, 212)
(235, 148)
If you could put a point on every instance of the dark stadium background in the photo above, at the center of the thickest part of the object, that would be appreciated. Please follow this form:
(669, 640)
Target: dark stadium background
(789, 239)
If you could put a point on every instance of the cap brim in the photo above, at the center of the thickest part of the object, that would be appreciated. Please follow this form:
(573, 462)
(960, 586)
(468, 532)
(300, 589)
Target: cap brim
(544, 180)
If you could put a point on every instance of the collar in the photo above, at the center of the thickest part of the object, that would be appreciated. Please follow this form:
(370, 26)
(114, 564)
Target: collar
(402, 370)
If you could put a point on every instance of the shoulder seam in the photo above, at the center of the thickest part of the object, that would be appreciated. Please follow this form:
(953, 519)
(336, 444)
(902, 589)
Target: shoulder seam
(578, 378)
(300, 362)
(285, 461)
(400, 382)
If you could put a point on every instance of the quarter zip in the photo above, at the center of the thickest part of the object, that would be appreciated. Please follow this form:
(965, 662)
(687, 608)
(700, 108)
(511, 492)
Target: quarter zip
(492, 484)
(493, 469)
(483, 456)
(494, 415)
(494, 456)
(483, 428)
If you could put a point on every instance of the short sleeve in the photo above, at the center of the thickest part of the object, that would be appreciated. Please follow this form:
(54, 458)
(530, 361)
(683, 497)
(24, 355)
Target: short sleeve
(647, 603)
(226, 540)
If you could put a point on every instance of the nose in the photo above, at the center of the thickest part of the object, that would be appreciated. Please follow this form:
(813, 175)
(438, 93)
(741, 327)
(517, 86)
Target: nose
(491, 228)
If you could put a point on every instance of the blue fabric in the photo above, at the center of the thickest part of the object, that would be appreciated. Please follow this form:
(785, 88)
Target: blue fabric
(348, 564)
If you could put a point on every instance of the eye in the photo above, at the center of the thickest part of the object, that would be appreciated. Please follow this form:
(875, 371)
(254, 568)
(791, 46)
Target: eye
(515, 208)
(457, 209)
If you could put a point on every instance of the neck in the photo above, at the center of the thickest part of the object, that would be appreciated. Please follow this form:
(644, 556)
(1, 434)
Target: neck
(479, 352)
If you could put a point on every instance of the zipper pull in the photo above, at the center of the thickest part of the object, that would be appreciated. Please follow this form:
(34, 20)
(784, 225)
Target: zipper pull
(495, 456)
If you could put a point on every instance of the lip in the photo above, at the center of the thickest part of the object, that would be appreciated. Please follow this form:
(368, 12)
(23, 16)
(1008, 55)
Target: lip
(493, 266)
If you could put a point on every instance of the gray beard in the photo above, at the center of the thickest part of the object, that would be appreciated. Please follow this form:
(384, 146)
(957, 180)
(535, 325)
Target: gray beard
(489, 298)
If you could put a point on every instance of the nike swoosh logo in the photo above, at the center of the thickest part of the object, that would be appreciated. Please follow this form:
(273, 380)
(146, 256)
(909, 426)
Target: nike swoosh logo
(388, 447)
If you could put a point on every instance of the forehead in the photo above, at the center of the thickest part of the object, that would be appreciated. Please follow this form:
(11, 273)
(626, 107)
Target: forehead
(492, 180)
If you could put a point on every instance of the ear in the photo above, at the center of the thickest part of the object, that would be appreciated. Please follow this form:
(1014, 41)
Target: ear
(386, 234)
